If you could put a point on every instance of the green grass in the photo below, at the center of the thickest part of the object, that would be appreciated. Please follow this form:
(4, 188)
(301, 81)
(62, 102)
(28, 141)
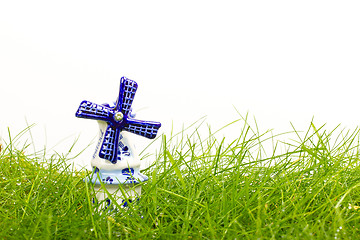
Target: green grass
(199, 188)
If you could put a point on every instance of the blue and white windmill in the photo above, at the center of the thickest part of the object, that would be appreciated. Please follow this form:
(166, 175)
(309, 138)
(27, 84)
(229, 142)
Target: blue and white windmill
(115, 160)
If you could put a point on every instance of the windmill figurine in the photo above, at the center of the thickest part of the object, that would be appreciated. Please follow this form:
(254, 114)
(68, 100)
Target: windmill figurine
(115, 161)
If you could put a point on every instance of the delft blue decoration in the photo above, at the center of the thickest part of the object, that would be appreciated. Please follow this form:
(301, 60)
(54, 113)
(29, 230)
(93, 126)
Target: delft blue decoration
(115, 160)
(118, 119)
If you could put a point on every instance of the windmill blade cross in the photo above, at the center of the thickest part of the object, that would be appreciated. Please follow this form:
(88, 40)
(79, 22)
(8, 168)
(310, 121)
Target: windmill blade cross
(118, 119)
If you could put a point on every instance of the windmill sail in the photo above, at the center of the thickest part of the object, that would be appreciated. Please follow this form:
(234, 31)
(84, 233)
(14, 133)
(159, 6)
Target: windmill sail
(126, 96)
(109, 147)
(93, 111)
(143, 128)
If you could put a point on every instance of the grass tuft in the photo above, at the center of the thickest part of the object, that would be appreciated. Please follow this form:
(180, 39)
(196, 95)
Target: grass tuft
(200, 188)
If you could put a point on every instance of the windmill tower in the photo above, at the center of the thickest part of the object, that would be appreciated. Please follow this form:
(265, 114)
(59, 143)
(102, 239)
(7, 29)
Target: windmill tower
(115, 161)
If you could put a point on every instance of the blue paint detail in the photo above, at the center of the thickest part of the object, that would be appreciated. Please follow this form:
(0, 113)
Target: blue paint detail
(110, 147)
(108, 180)
(108, 202)
(124, 176)
(126, 203)
(128, 171)
(99, 142)
(122, 150)
(130, 180)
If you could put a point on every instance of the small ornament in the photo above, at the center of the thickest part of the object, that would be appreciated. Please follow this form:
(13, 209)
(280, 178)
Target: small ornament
(115, 161)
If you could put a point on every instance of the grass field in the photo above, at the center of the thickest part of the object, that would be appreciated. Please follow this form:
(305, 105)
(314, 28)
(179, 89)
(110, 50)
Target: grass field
(199, 188)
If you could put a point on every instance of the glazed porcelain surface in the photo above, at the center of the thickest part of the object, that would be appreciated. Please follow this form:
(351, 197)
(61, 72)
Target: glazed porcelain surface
(115, 160)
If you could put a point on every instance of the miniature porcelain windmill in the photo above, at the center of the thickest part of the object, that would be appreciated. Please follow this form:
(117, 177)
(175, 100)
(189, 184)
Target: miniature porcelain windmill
(115, 161)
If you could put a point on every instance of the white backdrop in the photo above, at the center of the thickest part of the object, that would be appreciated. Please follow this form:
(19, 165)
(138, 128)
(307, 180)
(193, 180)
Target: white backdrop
(281, 61)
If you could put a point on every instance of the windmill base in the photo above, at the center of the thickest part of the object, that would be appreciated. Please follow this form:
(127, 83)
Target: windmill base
(122, 194)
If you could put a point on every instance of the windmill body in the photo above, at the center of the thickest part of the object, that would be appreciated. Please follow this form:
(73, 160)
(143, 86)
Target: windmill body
(126, 170)
(115, 161)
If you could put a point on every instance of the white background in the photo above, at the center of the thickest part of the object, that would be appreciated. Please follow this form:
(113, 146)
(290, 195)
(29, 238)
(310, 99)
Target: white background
(281, 61)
